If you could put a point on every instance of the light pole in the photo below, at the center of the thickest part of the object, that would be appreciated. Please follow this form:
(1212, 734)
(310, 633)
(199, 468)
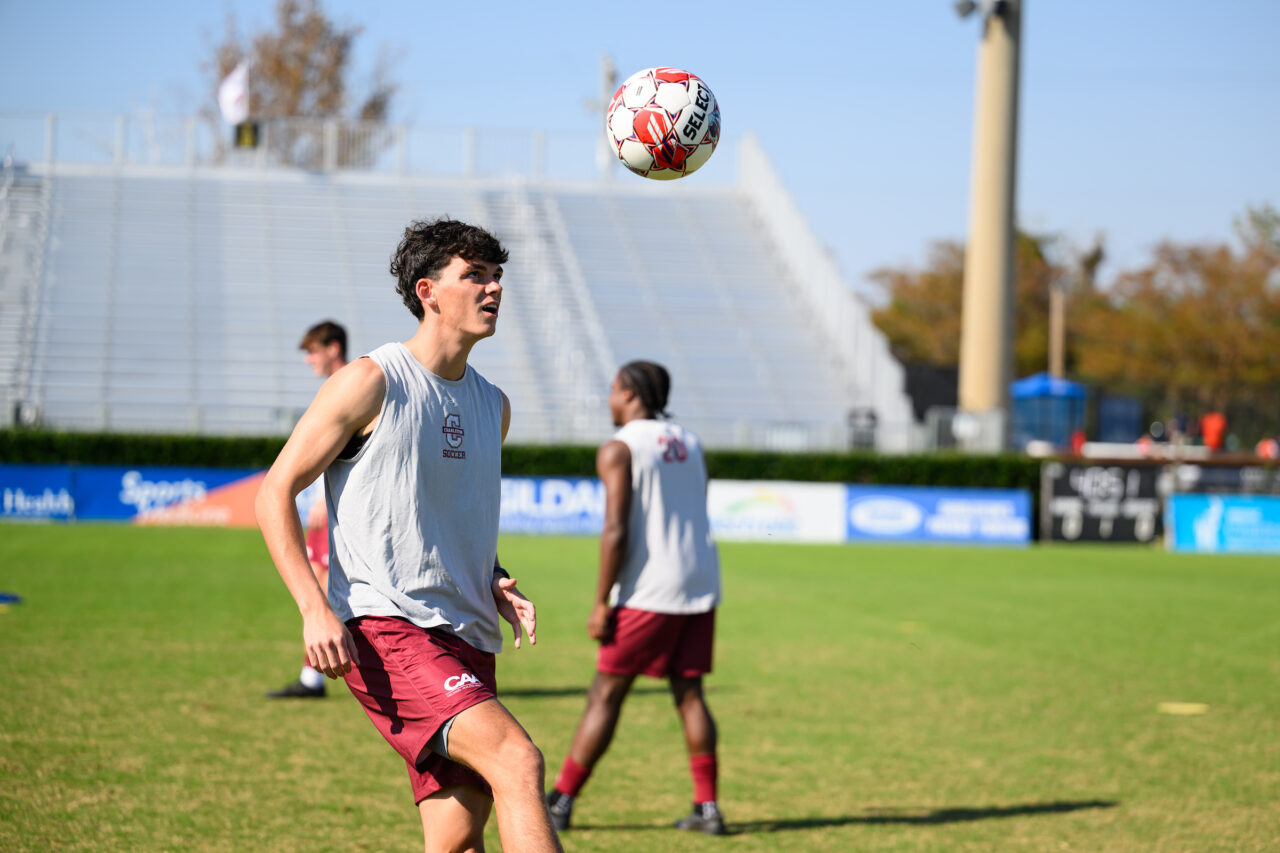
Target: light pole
(605, 159)
(986, 330)
(1058, 329)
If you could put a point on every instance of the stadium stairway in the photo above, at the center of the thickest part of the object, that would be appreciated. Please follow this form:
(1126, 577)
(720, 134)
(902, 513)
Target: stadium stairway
(24, 226)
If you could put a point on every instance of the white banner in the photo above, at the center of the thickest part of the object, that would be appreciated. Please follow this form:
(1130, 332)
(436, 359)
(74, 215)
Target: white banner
(776, 511)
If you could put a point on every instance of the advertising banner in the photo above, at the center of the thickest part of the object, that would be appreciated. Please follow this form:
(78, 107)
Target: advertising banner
(738, 509)
(776, 511)
(746, 510)
(570, 506)
(1226, 479)
(218, 497)
(36, 492)
(1101, 503)
(926, 514)
(1223, 524)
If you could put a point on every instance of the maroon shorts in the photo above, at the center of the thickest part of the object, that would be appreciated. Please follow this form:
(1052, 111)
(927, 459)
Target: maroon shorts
(410, 681)
(318, 546)
(663, 645)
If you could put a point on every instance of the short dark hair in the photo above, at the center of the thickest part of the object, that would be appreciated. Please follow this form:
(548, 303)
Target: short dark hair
(427, 247)
(325, 333)
(652, 384)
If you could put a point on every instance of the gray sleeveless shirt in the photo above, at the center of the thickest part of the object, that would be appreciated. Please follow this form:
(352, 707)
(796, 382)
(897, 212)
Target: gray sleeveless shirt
(413, 516)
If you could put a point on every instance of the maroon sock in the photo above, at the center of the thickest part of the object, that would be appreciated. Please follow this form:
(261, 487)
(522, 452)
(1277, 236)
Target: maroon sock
(703, 768)
(572, 777)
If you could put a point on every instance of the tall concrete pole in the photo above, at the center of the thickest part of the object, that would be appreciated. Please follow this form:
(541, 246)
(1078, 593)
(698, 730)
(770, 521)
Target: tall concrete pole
(986, 331)
(606, 161)
(1057, 330)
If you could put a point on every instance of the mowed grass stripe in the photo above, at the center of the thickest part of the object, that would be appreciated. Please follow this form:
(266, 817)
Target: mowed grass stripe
(870, 698)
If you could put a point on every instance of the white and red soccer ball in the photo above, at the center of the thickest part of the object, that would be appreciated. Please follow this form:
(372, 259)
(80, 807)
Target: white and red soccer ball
(663, 123)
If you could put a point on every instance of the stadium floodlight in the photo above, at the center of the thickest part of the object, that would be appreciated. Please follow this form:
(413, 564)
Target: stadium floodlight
(990, 8)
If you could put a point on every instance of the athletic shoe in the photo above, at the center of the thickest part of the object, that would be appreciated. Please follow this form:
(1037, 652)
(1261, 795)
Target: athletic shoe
(297, 690)
(561, 808)
(705, 818)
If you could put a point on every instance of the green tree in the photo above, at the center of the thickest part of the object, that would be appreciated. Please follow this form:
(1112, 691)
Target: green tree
(299, 80)
(1196, 330)
(921, 317)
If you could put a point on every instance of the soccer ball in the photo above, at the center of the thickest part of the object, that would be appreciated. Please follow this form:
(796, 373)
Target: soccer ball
(663, 123)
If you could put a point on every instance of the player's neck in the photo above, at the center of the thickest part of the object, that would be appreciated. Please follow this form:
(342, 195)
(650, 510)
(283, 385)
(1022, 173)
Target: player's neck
(444, 355)
(635, 415)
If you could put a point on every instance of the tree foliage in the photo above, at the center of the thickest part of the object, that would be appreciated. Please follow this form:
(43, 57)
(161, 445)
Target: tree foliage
(1195, 330)
(299, 78)
(922, 316)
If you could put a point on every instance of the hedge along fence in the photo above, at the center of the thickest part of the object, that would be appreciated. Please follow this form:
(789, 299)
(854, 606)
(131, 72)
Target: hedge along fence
(1005, 471)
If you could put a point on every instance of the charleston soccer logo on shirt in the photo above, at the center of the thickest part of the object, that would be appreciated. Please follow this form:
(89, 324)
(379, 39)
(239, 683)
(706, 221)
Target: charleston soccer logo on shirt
(453, 433)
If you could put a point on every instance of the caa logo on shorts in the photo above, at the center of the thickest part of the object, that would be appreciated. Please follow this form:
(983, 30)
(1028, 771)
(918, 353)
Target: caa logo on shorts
(457, 682)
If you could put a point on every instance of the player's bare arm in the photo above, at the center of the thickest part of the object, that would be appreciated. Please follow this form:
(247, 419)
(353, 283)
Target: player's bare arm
(346, 405)
(613, 466)
(506, 414)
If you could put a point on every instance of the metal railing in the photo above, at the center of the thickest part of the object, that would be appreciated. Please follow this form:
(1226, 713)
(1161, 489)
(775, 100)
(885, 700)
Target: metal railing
(875, 377)
(21, 285)
(146, 139)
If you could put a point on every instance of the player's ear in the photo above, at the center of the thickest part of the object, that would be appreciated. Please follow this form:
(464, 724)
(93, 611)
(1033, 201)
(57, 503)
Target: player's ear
(425, 288)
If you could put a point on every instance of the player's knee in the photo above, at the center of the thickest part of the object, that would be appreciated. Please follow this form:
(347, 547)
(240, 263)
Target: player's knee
(686, 691)
(445, 839)
(519, 764)
(453, 819)
(608, 692)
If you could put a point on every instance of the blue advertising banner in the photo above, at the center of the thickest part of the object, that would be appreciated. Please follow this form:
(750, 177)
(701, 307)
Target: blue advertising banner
(572, 506)
(926, 514)
(125, 494)
(539, 505)
(1223, 524)
(36, 492)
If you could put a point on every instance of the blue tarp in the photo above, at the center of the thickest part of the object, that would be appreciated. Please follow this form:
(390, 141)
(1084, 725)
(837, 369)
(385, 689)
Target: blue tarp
(1045, 385)
(1046, 408)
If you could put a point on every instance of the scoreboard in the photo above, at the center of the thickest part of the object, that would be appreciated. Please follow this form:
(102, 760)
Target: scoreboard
(1115, 502)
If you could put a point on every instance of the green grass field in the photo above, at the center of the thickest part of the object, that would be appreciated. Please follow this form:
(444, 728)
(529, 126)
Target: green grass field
(869, 698)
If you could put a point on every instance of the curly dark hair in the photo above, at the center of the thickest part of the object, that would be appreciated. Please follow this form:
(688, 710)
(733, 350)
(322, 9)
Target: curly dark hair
(429, 245)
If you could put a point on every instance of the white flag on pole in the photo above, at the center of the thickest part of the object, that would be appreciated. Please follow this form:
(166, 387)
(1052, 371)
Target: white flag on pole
(233, 95)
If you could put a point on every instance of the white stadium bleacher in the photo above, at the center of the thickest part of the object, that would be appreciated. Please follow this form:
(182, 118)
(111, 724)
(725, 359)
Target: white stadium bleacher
(170, 298)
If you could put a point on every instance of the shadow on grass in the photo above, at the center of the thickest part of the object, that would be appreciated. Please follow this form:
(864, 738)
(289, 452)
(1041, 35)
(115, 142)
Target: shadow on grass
(581, 690)
(638, 689)
(958, 814)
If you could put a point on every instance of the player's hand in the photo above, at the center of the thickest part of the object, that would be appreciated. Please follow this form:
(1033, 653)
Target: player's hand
(600, 623)
(515, 608)
(330, 648)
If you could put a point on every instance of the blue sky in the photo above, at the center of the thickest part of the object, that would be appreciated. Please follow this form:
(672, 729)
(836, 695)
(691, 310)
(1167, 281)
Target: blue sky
(1142, 119)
